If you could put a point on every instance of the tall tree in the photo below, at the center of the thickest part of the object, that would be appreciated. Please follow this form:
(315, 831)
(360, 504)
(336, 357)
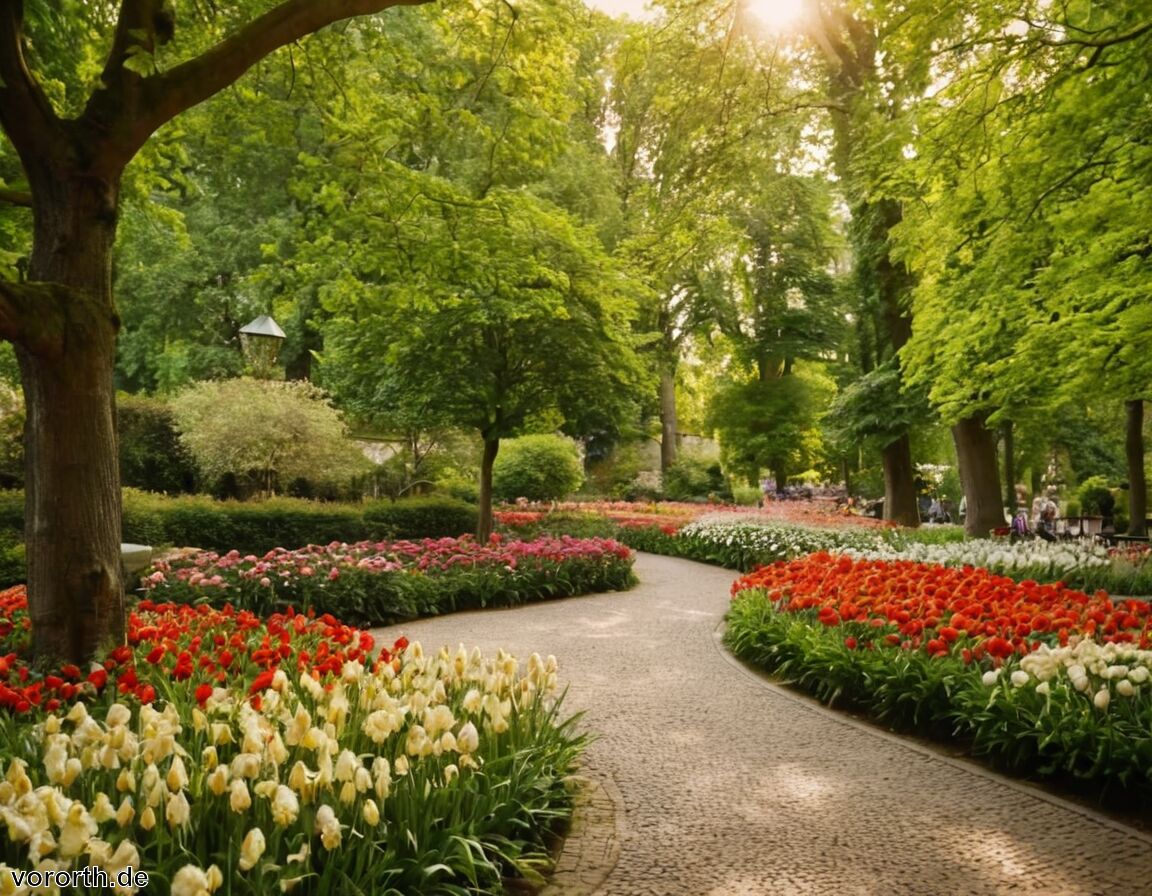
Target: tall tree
(73, 151)
(509, 320)
(1035, 174)
(695, 103)
(869, 98)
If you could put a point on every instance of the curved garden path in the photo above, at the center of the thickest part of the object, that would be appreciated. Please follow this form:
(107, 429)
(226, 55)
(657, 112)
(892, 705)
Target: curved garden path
(723, 784)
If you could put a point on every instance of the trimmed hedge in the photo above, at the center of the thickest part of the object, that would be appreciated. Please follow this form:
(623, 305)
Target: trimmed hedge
(418, 518)
(257, 527)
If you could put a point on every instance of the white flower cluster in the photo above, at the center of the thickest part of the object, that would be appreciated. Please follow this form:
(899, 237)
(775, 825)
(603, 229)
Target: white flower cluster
(772, 541)
(1047, 558)
(1086, 667)
(100, 783)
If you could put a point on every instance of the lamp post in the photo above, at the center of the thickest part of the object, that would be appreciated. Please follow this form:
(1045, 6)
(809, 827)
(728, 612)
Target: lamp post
(261, 340)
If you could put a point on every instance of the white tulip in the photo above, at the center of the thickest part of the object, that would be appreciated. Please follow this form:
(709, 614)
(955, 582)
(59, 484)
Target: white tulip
(190, 881)
(239, 799)
(251, 849)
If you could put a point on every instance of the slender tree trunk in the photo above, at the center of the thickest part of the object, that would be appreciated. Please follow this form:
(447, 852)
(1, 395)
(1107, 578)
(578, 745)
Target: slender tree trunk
(899, 483)
(669, 424)
(1008, 432)
(484, 525)
(72, 474)
(780, 474)
(979, 476)
(1137, 483)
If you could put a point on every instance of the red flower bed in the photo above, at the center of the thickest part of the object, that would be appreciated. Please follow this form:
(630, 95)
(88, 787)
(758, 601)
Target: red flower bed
(922, 606)
(518, 519)
(649, 522)
(175, 648)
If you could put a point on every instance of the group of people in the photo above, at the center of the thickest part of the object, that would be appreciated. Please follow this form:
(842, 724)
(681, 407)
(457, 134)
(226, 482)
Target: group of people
(1043, 518)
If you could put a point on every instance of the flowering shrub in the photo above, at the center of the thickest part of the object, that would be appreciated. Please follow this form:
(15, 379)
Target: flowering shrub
(220, 753)
(1043, 678)
(375, 582)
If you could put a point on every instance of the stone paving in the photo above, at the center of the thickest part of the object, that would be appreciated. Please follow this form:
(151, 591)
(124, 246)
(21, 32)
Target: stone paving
(707, 780)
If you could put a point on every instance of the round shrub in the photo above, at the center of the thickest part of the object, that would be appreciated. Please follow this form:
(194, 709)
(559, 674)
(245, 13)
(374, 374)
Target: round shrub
(1095, 498)
(539, 468)
(695, 479)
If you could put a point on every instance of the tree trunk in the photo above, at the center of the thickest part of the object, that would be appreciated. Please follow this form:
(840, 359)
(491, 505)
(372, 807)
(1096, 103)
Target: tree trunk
(1008, 432)
(72, 473)
(1137, 483)
(669, 425)
(979, 476)
(899, 483)
(484, 525)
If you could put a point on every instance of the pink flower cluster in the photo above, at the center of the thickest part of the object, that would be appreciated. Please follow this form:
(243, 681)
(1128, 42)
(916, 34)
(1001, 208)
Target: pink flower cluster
(279, 566)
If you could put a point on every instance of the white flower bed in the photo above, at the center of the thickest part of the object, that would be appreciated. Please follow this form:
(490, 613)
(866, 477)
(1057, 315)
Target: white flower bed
(1104, 670)
(773, 541)
(1046, 558)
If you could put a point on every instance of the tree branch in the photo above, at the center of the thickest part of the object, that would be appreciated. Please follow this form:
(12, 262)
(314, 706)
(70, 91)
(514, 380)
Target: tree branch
(140, 26)
(16, 197)
(167, 95)
(1102, 42)
(25, 113)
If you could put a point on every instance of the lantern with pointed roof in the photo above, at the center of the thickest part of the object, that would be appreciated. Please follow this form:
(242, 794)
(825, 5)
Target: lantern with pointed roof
(261, 340)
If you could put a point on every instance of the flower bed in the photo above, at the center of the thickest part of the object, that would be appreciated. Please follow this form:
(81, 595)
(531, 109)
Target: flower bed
(745, 543)
(376, 582)
(1043, 678)
(220, 752)
(1082, 564)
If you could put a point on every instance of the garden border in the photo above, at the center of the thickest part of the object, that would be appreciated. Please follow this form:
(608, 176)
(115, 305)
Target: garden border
(591, 849)
(927, 749)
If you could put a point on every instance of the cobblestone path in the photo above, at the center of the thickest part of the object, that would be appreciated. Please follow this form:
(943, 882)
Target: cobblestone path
(710, 781)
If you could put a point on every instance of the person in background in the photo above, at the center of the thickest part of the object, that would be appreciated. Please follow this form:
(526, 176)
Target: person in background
(1046, 528)
(1038, 505)
(1044, 516)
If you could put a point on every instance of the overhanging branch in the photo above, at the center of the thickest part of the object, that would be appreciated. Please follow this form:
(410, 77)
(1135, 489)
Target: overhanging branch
(16, 197)
(168, 94)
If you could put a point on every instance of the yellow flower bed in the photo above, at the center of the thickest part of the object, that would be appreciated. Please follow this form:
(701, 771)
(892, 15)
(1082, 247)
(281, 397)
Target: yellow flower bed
(432, 772)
